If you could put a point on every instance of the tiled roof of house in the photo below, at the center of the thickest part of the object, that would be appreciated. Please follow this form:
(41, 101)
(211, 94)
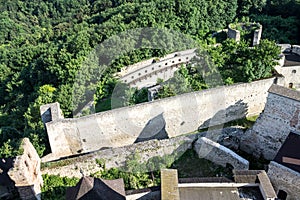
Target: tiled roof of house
(94, 188)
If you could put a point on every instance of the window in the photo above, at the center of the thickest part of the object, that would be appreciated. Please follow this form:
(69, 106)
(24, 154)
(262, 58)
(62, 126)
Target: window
(282, 195)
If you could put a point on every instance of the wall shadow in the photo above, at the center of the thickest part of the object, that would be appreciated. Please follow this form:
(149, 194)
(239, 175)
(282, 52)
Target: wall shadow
(154, 129)
(237, 111)
(7, 185)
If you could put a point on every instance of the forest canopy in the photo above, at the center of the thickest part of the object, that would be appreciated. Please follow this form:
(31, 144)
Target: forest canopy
(44, 43)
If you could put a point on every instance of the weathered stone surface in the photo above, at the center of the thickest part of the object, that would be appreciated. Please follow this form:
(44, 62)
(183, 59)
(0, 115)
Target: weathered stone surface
(146, 73)
(228, 137)
(51, 112)
(26, 172)
(236, 34)
(116, 157)
(289, 66)
(283, 178)
(219, 154)
(169, 184)
(280, 117)
(182, 114)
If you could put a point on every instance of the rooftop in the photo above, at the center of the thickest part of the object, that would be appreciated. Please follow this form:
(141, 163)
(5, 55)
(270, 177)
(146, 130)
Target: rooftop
(220, 193)
(291, 59)
(289, 154)
(286, 92)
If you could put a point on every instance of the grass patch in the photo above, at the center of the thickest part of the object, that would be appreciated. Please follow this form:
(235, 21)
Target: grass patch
(189, 165)
(55, 187)
(55, 164)
(246, 122)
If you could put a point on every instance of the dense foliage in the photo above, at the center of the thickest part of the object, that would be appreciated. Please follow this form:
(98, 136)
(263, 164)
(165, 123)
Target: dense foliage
(54, 187)
(234, 62)
(43, 45)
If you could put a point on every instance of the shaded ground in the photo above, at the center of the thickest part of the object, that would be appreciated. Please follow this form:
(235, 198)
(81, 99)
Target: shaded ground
(189, 165)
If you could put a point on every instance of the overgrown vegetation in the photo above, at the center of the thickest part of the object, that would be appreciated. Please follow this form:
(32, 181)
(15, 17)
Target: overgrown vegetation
(44, 43)
(246, 122)
(235, 62)
(137, 175)
(54, 187)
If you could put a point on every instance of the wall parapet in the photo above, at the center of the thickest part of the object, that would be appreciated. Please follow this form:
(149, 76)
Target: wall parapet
(219, 154)
(279, 118)
(285, 92)
(116, 157)
(285, 179)
(145, 74)
(181, 114)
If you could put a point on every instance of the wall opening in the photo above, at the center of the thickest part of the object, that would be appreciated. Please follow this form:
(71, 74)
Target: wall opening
(291, 85)
(282, 195)
(294, 71)
(229, 166)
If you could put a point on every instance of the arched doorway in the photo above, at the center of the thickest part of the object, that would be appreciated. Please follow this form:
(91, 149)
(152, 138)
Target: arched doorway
(282, 195)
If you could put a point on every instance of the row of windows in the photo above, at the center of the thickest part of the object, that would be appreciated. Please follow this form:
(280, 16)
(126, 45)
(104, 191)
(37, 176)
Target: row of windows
(146, 71)
(150, 75)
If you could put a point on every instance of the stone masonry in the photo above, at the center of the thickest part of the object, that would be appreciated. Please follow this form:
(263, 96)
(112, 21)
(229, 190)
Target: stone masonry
(181, 114)
(219, 154)
(169, 184)
(280, 117)
(236, 34)
(26, 172)
(285, 179)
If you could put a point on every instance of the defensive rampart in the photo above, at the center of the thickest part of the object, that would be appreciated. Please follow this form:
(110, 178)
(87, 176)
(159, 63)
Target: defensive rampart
(146, 73)
(285, 179)
(168, 117)
(219, 154)
(117, 157)
(280, 117)
(289, 65)
(166, 150)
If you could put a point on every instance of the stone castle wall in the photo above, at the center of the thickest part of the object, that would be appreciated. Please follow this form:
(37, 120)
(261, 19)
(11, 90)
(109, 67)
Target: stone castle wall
(236, 34)
(26, 172)
(145, 74)
(173, 147)
(132, 68)
(283, 178)
(177, 115)
(219, 154)
(280, 117)
(291, 73)
(117, 157)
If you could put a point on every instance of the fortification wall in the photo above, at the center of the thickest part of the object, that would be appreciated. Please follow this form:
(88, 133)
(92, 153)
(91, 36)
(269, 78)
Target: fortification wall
(26, 172)
(280, 117)
(296, 49)
(291, 76)
(180, 115)
(219, 154)
(285, 179)
(116, 157)
(145, 74)
(131, 68)
(291, 73)
(236, 34)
